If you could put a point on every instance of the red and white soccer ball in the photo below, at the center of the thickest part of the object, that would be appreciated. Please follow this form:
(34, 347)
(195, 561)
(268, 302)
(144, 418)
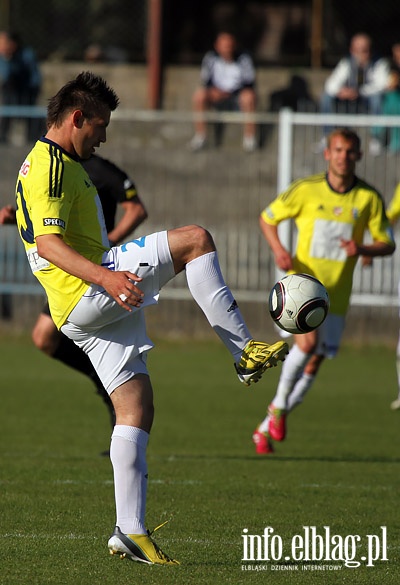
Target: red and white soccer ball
(298, 303)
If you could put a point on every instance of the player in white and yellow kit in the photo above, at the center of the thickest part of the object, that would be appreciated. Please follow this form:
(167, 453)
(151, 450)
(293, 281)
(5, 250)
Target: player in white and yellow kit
(96, 293)
(393, 213)
(331, 211)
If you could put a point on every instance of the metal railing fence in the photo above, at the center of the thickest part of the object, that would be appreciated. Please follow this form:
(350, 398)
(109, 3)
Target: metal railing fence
(221, 188)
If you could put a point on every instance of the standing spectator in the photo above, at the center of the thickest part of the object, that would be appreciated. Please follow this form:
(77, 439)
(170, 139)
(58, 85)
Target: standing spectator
(332, 211)
(20, 81)
(356, 85)
(228, 78)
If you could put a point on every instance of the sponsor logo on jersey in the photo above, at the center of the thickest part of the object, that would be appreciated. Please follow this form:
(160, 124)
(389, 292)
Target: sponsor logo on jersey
(130, 193)
(24, 170)
(54, 221)
(338, 210)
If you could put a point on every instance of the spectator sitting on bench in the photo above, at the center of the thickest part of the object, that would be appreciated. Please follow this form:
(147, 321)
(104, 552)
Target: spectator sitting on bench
(391, 98)
(356, 86)
(228, 79)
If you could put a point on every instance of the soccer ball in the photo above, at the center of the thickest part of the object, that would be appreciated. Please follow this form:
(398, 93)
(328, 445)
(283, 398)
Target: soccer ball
(298, 303)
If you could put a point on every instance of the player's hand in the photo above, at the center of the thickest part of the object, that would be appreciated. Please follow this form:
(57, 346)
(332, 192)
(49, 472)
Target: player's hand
(350, 247)
(7, 215)
(283, 259)
(348, 93)
(366, 261)
(121, 285)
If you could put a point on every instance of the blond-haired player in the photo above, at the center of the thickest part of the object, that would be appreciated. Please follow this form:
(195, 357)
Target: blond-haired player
(331, 211)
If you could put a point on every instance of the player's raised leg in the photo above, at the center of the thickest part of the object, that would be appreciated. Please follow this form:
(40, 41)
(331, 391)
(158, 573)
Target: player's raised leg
(192, 248)
(274, 424)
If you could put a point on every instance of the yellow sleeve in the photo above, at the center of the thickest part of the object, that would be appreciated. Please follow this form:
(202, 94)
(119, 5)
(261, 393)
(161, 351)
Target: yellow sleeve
(285, 206)
(379, 225)
(393, 210)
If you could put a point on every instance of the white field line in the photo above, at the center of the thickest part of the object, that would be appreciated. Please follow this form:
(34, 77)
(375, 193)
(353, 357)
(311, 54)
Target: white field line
(91, 537)
(341, 486)
(107, 482)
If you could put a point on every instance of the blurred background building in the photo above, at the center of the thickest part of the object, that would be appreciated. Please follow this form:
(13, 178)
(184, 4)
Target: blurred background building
(308, 32)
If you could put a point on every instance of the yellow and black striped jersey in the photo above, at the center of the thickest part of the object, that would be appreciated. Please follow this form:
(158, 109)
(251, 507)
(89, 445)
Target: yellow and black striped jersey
(54, 195)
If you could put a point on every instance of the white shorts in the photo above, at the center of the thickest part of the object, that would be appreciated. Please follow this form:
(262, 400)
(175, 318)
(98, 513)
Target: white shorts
(329, 335)
(115, 340)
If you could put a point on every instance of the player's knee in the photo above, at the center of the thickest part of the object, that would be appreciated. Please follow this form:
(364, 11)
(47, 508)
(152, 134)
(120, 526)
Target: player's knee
(202, 239)
(187, 243)
(306, 343)
(199, 241)
(313, 365)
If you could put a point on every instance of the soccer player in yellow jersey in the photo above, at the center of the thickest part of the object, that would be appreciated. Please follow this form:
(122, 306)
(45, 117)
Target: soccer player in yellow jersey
(97, 293)
(393, 213)
(115, 189)
(331, 212)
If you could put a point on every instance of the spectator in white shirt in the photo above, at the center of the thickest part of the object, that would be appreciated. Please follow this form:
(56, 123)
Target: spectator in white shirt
(357, 85)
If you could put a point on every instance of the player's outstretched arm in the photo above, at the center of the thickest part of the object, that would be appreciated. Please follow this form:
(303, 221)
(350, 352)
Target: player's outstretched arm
(117, 283)
(283, 258)
(134, 214)
(367, 250)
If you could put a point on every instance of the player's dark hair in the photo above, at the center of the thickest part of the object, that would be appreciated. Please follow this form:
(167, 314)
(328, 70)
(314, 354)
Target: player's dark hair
(87, 92)
(346, 133)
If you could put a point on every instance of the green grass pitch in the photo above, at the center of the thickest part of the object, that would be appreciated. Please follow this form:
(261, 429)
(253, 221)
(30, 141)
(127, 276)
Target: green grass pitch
(339, 467)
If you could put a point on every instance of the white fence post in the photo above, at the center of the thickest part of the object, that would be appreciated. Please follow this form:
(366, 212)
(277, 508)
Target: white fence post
(285, 151)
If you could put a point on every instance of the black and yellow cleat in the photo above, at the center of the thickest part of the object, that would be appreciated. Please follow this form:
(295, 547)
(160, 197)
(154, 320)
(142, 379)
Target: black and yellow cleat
(138, 547)
(256, 357)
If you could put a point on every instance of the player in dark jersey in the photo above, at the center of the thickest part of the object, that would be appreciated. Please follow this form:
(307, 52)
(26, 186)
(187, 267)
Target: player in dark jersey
(115, 189)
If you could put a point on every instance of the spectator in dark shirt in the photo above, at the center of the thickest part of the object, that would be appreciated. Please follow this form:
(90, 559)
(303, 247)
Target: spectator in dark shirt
(20, 81)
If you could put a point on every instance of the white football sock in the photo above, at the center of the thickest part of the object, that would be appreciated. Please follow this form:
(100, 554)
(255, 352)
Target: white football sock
(128, 457)
(264, 425)
(208, 288)
(292, 369)
(301, 388)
